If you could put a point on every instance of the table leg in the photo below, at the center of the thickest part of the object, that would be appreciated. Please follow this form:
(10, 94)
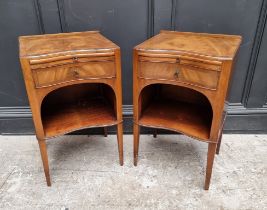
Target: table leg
(43, 151)
(136, 142)
(120, 142)
(219, 143)
(210, 160)
(155, 133)
(105, 131)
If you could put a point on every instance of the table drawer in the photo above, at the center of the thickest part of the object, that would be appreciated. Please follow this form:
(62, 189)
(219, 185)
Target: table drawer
(59, 74)
(184, 60)
(181, 73)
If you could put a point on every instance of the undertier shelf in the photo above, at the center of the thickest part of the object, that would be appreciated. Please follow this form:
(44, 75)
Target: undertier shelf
(76, 116)
(191, 119)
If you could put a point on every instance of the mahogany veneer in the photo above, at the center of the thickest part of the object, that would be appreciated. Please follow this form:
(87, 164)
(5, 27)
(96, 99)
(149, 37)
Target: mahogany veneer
(193, 120)
(73, 81)
(96, 113)
(180, 83)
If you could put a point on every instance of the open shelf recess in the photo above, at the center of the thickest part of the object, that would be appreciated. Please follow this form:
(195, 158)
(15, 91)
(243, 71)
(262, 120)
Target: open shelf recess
(167, 109)
(77, 107)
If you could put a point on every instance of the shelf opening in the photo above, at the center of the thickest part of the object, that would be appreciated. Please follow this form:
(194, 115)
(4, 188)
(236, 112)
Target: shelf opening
(77, 107)
(176, 108)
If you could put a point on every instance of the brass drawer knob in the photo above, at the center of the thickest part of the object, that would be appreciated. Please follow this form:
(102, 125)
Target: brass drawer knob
(176, 74)
(75, 73)
(75, 59)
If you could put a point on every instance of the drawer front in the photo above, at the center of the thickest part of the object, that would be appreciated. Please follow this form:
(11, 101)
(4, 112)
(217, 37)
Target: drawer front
(59, 61)
(180, 73)
(184, 60)
(55, 75)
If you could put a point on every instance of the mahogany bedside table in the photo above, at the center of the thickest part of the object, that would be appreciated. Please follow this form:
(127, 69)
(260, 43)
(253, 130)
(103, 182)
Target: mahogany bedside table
(180, 84)
(73, 81)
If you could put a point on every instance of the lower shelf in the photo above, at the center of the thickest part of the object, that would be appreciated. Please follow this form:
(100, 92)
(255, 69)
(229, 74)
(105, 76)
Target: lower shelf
(190, 119)
(72, 117)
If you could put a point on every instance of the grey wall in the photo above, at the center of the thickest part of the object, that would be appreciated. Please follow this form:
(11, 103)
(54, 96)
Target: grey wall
(127, 23)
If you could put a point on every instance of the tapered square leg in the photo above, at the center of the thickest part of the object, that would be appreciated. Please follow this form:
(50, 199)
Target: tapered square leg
(219, 143)
(120, 142)
(210, 160)
(136, 142)
(155, 133)
(105, 131)
(43, 151)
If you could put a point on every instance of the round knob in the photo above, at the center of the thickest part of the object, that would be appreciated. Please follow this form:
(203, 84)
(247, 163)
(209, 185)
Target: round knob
(75, 73)
(176, 74)
(75, 59)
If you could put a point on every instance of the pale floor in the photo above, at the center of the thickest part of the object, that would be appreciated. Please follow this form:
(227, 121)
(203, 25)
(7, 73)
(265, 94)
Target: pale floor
(170, 174)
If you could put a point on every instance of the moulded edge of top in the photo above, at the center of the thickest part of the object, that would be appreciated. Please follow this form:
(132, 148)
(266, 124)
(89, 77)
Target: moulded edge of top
(100, 51)
(189, 53)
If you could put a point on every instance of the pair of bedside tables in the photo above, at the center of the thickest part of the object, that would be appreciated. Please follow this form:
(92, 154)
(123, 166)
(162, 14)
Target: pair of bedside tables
(73, 82)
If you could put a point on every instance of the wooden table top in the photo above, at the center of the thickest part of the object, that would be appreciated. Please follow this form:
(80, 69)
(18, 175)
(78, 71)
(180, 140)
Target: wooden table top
(217, 46)
(64, 43)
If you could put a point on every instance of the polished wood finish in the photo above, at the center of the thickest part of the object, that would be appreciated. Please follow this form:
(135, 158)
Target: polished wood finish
(71, 117)
(43, 151)
(182, 73)
(217, 47)
(42, 47)
(44, 77)
(73, 81)
(193, 120)
(180, 83)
